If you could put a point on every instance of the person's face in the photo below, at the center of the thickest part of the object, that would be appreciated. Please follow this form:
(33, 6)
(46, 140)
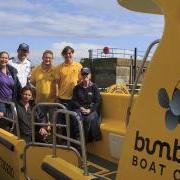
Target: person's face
(26, 96)
(68, 56)
(22, 54)
(47, 59)
(4, 58)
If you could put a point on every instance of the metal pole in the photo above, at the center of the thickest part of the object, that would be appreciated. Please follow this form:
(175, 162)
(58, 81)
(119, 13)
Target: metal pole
(134, 67)
(90, 53)
(131, 72)
(137, 78)
(92, 65)
(81, 133)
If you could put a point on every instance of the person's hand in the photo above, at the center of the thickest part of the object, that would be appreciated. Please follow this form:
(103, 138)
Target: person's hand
(49, 128)
(88, 111)
(43, 132)
(56, 99)
(1, 114)
(84, 110)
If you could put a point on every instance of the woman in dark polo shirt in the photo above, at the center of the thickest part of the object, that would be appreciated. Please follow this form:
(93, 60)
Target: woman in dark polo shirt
(9, 87)
(86, 102)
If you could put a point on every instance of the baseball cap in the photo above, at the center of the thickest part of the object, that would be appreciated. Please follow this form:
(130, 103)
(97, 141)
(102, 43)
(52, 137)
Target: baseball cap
(23, 46)
(85, 71)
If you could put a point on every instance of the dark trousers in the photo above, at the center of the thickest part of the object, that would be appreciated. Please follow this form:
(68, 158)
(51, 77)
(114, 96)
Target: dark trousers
(91, 125)
(6, 109)
(62, 120)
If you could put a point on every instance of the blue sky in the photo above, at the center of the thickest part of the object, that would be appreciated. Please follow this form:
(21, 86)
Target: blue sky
(83, 24)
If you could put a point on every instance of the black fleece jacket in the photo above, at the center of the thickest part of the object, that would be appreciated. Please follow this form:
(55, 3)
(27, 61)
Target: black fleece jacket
(86, 97)
(17, 85)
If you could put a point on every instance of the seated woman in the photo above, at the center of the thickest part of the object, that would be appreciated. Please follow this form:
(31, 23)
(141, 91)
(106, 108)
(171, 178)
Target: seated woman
(24, 111)
(86, 102)
(10, 88)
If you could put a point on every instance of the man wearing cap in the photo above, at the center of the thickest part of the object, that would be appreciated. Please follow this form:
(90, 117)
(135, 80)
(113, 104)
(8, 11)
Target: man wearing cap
(22, 64)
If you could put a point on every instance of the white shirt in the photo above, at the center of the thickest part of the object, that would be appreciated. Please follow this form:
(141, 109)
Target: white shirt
(23, 68)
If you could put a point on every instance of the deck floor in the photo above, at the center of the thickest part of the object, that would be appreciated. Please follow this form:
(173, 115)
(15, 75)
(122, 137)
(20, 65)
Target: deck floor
(101, 168)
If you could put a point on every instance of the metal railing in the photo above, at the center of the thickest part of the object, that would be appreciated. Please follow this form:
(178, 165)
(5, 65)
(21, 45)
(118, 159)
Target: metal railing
(50, 105)
(116, 53)
(80, 142)
(34, 143)
(14, 120)
(55, 125)
(137, 79)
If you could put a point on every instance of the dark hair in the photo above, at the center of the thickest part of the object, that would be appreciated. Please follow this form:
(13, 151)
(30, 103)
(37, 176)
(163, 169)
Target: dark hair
(65, 50)
(29, 88)
(48, 52)
(4, 52)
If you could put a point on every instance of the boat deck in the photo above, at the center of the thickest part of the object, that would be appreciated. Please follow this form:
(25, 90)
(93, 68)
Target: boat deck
(101, 168)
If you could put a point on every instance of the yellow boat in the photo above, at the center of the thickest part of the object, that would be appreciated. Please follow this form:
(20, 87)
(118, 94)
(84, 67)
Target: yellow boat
(148, 148)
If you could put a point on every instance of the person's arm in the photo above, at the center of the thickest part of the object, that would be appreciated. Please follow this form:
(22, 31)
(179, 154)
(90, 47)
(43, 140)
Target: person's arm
(57, 83)
(1, 114)
(41, 118)
(75, 99)
(56, 89)
(94, 106)
(18, 89)
(17, 85)
(2, 109)
(33, 77)
(54, 92)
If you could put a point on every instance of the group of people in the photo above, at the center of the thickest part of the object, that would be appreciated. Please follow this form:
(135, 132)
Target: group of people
(67, 83)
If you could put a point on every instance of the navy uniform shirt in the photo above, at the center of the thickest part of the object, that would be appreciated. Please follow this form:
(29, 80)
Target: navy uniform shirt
(88, 97)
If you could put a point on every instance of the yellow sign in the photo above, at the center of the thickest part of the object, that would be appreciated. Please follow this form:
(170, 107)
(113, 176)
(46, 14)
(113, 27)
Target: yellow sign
(152, 146)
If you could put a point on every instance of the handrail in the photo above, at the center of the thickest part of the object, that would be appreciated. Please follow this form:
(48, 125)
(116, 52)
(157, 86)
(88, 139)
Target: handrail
(34, 143)
(137, 78)
(57, 105)
(80, 142)
(15, 117)
(7, 144)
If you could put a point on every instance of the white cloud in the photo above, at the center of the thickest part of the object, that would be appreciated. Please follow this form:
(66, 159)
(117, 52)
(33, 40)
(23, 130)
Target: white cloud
(81, 49)
(14, 4)
(96, 5)
(71, 22)
(41, 21)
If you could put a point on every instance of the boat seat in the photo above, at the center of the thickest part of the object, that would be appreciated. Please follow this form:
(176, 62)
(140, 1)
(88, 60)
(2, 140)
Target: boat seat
(113, 128)
(114, 109)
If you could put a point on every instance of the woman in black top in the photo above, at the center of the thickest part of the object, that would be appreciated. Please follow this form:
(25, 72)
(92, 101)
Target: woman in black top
(86, 102)
(24, 111)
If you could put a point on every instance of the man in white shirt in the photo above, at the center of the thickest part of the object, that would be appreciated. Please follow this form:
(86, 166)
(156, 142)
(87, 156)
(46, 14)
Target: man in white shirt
(22, 64)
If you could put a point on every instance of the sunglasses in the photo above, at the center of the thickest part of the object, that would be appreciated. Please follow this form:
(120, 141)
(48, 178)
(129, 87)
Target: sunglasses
(84, 74)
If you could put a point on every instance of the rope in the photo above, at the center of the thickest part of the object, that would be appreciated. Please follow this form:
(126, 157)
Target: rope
(118, 89)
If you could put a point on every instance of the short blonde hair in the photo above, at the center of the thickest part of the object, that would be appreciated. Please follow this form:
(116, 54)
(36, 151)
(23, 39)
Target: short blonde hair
(48, 52)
